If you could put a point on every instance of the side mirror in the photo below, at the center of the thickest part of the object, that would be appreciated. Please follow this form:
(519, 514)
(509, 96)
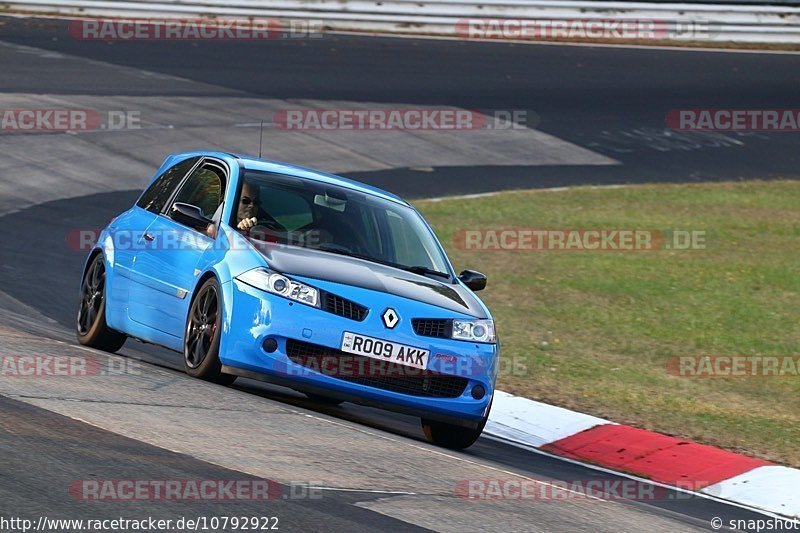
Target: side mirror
(190, 215)
(474, 280)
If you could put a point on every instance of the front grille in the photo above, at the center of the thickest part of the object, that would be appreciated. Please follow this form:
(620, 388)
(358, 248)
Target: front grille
(432, 327)
(343, 307)
(374, 373)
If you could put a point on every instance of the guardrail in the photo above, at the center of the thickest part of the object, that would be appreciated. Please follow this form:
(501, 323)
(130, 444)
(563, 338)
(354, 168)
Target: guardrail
(511, 18)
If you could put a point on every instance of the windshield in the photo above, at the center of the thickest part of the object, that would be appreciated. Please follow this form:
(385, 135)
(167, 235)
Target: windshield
(299, 212)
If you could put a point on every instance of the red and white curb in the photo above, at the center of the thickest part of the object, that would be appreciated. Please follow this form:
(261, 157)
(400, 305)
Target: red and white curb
(667, 460)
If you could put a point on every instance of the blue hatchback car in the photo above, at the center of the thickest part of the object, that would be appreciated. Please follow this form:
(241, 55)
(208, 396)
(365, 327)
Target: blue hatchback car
(312, 281)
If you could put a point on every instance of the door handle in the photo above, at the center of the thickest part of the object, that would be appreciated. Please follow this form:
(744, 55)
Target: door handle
(148, 237)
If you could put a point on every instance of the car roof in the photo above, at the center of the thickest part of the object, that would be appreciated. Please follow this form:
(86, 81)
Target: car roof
(266, 165)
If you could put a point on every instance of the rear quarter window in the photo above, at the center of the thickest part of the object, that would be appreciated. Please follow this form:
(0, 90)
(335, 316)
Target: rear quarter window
(158, 194)
(204, 189)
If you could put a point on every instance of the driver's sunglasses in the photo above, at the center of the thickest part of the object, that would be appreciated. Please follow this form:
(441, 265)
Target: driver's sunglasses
(246, 200)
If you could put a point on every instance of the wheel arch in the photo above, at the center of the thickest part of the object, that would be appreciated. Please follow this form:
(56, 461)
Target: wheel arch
(89, 259)
(201, 280)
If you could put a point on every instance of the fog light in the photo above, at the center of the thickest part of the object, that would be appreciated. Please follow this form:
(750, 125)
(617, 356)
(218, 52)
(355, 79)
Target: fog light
(270, 345)
(478, 392)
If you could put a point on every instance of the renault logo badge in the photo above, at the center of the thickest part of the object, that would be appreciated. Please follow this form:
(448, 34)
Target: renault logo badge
(390, 318)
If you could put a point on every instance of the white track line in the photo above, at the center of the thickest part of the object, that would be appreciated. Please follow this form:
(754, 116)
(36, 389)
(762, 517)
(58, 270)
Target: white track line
(334, 421)
(547, 189)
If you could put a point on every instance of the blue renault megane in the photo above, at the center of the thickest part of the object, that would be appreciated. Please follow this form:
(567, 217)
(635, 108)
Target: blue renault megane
(312, 281)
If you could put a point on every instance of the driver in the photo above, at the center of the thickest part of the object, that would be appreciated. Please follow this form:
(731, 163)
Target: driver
(253, 220)
(249, 203)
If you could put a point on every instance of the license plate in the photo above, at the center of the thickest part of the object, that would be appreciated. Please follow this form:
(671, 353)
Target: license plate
(385, 350)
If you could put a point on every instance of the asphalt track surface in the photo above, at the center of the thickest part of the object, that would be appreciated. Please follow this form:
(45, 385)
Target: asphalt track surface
(376, 469)
(609, 100)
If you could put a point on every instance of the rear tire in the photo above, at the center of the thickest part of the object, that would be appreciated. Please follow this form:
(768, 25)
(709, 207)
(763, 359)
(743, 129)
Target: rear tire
(202, 335)
(91, 328)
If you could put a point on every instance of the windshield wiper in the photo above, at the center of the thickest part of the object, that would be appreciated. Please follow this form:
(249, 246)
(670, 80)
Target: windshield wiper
(424, 270)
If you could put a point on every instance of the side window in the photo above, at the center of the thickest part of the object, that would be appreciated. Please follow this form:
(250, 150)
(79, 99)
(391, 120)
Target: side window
(204, 188)
(290, 209)
(157, 195)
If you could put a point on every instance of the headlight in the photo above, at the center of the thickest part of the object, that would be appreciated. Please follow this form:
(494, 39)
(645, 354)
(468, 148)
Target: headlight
(267, 280)
(474, 330)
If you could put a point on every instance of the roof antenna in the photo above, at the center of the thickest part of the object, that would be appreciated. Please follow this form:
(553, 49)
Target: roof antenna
(260, 139)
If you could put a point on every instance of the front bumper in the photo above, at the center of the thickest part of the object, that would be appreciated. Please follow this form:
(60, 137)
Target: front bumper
(252, 316)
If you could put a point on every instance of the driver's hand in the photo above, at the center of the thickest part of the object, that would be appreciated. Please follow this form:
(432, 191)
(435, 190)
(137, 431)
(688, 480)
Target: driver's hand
(247, 223)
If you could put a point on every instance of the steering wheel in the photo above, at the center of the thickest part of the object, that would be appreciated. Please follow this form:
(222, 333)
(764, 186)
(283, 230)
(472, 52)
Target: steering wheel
(268, 230)
(271, 224)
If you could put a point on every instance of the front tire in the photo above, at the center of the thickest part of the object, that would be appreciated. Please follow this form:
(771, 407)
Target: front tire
(202, 335)
(91, 328)
(450, 435)
(453, 436)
